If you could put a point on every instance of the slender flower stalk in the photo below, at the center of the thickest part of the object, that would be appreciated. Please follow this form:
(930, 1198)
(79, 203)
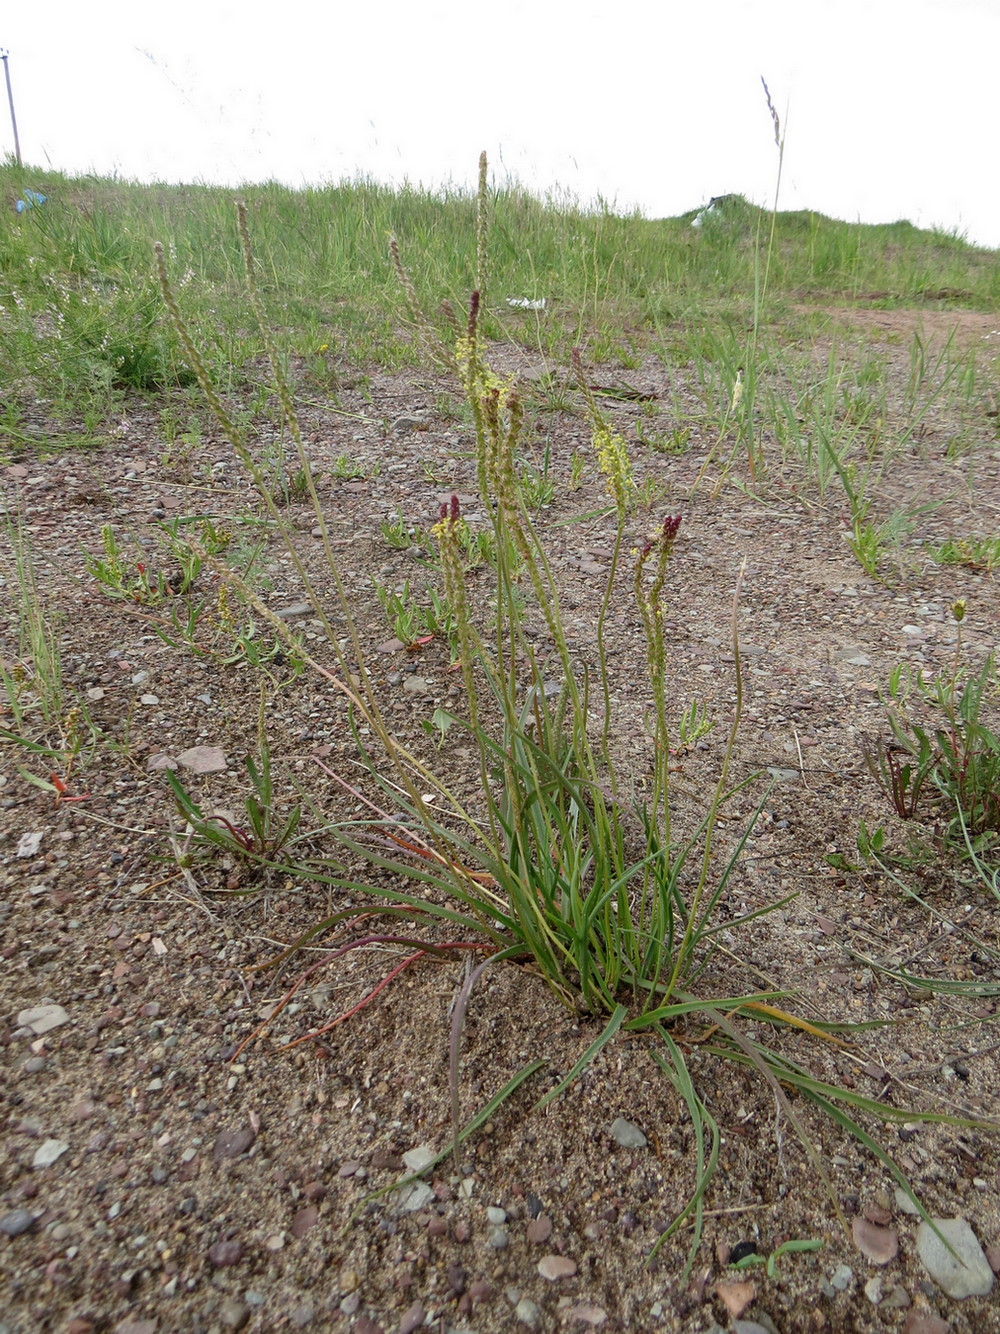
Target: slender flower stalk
(482, 224)
(446, 533)
(429, 342)
(613, 461)
(656, 553)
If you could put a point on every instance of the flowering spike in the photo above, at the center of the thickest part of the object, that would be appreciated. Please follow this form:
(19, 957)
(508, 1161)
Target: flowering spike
(473, 316)
(671, 524)
(456, 511)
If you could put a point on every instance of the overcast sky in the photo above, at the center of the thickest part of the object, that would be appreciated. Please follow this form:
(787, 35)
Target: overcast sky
(889, 106)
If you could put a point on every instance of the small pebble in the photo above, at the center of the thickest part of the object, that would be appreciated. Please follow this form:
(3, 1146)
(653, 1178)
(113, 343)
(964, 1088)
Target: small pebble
(879, 1244)
(627, 1135)
(968, 1276)
(49, 1152)
(456, 1279)
(873, 1289)
(896, 1299)
(233, 1143)
(554, 1267)
(224, 1254)
(842, 1278)
(16, 1222)
(304, 1220)
(414, 1197)
(233, 1314)
(413, 1318)
(925, 1322)
(419, 1158)
(527, 1312)
(43, 1018)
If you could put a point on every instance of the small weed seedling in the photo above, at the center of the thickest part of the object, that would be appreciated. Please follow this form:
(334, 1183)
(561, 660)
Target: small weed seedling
(771, 1261)
(976, 553)
(536, 485)
(259, 839)
(577, 467)
(694, 724)
(677, 440)
(399, 533)
(415, 623)
(346, 469)
(944, 761)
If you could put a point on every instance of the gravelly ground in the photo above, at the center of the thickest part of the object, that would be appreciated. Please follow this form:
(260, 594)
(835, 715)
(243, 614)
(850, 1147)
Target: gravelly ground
(196, 1189)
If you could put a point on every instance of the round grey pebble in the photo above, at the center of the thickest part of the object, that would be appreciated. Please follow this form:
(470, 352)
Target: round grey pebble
(16, 1222)
(498, 1238)
(527, 1312)
(496, 1216)
(626, 1134)
(34, 1064)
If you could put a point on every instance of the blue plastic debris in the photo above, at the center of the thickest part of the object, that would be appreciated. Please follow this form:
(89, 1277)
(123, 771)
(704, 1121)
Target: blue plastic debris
(30, 200)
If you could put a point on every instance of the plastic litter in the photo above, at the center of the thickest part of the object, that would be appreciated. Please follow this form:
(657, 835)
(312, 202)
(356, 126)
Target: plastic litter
(717, 208)
(31, 199)
(526, 303)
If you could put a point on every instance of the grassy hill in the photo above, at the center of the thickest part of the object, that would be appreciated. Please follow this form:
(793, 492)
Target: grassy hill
(78, 271)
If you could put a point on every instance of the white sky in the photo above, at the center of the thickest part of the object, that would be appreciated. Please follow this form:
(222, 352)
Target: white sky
(889, 106)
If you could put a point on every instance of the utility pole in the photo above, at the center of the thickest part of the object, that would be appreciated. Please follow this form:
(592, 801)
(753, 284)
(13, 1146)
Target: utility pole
(10, 98)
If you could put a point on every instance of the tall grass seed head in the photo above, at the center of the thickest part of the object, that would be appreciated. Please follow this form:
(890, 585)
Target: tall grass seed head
(737, 398)
(671, 526)
(662, 541)
(449, 516)
(69, 728)
(486, 379)
(613, 461)
(958, 609)
(223, 609)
